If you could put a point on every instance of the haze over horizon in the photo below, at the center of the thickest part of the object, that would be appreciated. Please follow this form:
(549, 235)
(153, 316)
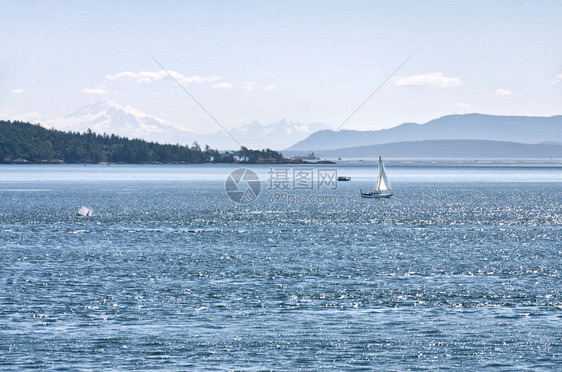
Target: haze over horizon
(107, 116)
(309, 62)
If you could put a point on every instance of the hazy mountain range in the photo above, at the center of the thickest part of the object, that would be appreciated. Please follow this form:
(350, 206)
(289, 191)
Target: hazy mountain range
(106, 116)
(524, 129)
(470, 135)
(446, 149)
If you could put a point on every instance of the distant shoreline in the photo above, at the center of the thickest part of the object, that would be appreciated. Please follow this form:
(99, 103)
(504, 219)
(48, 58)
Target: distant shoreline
(57, 162)
(341, 162)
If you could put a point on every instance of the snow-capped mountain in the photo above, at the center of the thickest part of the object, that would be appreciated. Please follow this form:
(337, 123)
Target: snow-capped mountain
(106, 116)
(275, 135)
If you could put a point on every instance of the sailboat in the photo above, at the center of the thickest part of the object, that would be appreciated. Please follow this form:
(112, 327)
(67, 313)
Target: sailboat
(383, 190)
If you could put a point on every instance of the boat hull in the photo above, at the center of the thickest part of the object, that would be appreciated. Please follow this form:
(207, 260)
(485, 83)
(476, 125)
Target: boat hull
(372, 195)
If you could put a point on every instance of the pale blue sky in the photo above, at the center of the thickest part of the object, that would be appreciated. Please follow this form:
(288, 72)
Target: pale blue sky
(307, 61)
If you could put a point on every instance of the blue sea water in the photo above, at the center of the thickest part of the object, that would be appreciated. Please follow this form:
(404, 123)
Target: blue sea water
(461, 269)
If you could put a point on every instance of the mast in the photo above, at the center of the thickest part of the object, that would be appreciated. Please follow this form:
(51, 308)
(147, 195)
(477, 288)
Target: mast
(379, 178)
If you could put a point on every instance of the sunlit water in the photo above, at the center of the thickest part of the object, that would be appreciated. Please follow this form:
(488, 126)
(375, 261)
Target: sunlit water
(461, 269)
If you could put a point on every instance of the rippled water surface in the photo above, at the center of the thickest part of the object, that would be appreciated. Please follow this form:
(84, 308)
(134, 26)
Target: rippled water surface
(461, 269)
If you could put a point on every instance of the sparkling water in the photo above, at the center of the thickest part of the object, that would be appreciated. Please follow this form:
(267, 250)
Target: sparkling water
(460, 269)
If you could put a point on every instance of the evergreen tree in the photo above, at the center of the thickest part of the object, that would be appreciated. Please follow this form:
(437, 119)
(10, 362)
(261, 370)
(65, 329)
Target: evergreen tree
(21, 141)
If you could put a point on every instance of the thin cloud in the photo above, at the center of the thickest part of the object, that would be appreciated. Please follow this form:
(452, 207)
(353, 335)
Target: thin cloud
(556, 79)
(150, 77)
(270, 87)
(222, 85)
(462, 105)
(433, 80)
(504, 92)
(99, 90)
(9, 114)
(18, 91)
(249, 85)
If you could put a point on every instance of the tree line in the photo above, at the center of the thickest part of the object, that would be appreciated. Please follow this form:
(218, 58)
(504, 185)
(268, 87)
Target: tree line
(22, 142)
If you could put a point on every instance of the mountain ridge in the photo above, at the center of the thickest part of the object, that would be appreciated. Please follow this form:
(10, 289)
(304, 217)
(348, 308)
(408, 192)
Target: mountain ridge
(523, 129)
(445, 149)
(107, 116)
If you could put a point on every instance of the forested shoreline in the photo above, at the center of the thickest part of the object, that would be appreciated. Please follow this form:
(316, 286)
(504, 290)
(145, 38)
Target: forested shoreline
(22, 142)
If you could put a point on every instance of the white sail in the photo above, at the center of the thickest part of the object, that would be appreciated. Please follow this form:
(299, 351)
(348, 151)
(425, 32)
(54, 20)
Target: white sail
(382, 180)
(385, 179)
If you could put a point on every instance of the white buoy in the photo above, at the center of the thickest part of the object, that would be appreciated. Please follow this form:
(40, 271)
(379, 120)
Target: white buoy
(84, 211)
